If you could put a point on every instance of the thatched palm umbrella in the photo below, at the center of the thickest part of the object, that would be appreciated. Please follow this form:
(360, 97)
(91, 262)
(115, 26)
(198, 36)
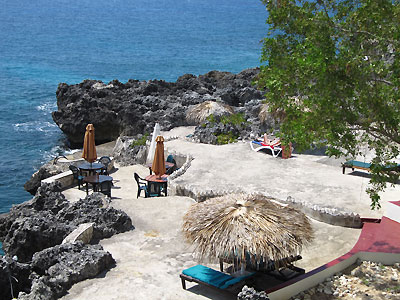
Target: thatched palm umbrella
(278, 113)
(197, 114)
(236, 225)
(265, 114)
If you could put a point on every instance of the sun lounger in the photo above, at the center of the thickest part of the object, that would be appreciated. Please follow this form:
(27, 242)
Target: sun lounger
(275, 147)
(210, 277)
(355, 164)
(281, 269)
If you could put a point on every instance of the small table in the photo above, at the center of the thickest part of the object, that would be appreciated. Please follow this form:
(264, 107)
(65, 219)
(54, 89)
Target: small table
(167, 166)
(94, 180)
(91, 168)
(155, 184)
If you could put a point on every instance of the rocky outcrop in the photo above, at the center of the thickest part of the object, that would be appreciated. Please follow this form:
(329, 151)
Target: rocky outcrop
(9, 270)
(127, 153)
(249, 293)
(52, 271)
(48, 218)
(93, 209)
(218, 132)
(32, 232)
(134, 107)
(363, 280)
(56, 269)
(45, 171)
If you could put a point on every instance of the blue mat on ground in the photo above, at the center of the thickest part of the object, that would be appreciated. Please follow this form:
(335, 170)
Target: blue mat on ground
(213, 277)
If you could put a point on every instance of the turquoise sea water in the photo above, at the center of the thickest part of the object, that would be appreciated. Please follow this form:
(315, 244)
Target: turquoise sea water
(45, 42)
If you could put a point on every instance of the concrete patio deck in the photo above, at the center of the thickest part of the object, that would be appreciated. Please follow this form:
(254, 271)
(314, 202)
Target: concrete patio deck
(151, 257)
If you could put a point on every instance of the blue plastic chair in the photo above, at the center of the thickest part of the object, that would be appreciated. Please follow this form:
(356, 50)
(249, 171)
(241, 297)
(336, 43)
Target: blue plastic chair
(77, 175)
(142, 186)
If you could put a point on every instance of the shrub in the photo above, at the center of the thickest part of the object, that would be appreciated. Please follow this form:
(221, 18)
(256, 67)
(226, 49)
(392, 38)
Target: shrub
(140, 141)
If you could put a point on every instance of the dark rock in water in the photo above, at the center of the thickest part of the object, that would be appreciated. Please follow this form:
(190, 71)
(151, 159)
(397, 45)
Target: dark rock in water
(48, 218)
(33, 184)
(134, 107)
(56, 269)
(15, 276)
(45, 171)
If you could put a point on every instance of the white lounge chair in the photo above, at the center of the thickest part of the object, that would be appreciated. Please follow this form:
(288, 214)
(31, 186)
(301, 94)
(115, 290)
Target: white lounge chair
(275, 147)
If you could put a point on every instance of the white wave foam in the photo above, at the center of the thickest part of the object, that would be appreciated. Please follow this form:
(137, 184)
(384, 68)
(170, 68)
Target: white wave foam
(48, 155)
(71, 151)
(47, 107)
(35, 126)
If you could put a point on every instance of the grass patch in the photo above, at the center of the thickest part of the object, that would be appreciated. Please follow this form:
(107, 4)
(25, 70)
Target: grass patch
(233, 119)
(140, 142)
(226, 138)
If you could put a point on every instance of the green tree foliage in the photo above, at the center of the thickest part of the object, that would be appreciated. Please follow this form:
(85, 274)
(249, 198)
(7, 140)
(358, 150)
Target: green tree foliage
(331, 71)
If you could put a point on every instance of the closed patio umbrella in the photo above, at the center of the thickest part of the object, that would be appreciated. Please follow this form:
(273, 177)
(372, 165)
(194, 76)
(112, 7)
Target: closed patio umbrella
(89, 146)
(152, 149)
(158, 165)
(239, 227)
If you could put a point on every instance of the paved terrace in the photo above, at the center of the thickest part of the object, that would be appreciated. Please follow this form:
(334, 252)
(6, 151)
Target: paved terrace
(151, 257)
(314, 182)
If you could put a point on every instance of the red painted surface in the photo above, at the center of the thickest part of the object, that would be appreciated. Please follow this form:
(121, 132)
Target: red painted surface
(154, 178)
(395, 202)
(379, 237)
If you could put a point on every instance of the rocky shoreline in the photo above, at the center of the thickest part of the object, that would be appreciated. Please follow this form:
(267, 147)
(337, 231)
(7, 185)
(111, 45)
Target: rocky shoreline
(38, 263)
(128, 109)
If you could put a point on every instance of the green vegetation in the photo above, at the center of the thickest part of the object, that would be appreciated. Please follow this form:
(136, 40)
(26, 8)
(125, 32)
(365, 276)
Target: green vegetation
(141, 141)
(225, 138)
(233, 119)
(331, 71)
(365, 281)
(393, 289)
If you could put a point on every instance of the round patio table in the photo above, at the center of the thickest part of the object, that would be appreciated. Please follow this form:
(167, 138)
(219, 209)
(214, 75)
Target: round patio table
(156, 185)
(91, 168)
(94, 180)
(167, 166)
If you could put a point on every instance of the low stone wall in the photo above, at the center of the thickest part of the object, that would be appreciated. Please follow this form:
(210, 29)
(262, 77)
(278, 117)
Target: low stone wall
(327, 215)
(66, 179)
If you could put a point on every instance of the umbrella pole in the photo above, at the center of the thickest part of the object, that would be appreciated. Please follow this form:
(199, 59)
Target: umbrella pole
(241, 268)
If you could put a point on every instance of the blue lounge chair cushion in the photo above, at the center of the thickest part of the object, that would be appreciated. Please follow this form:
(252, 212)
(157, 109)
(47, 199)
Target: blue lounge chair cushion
(207, 275)
(213, 277)
(234, 280)
(357, 164)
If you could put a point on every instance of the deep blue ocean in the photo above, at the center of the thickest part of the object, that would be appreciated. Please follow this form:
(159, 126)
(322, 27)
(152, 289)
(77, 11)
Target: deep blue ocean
(45, 42)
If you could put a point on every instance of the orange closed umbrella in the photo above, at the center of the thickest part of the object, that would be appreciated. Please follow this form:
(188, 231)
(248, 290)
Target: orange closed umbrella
(89, 146)
(158, 165)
